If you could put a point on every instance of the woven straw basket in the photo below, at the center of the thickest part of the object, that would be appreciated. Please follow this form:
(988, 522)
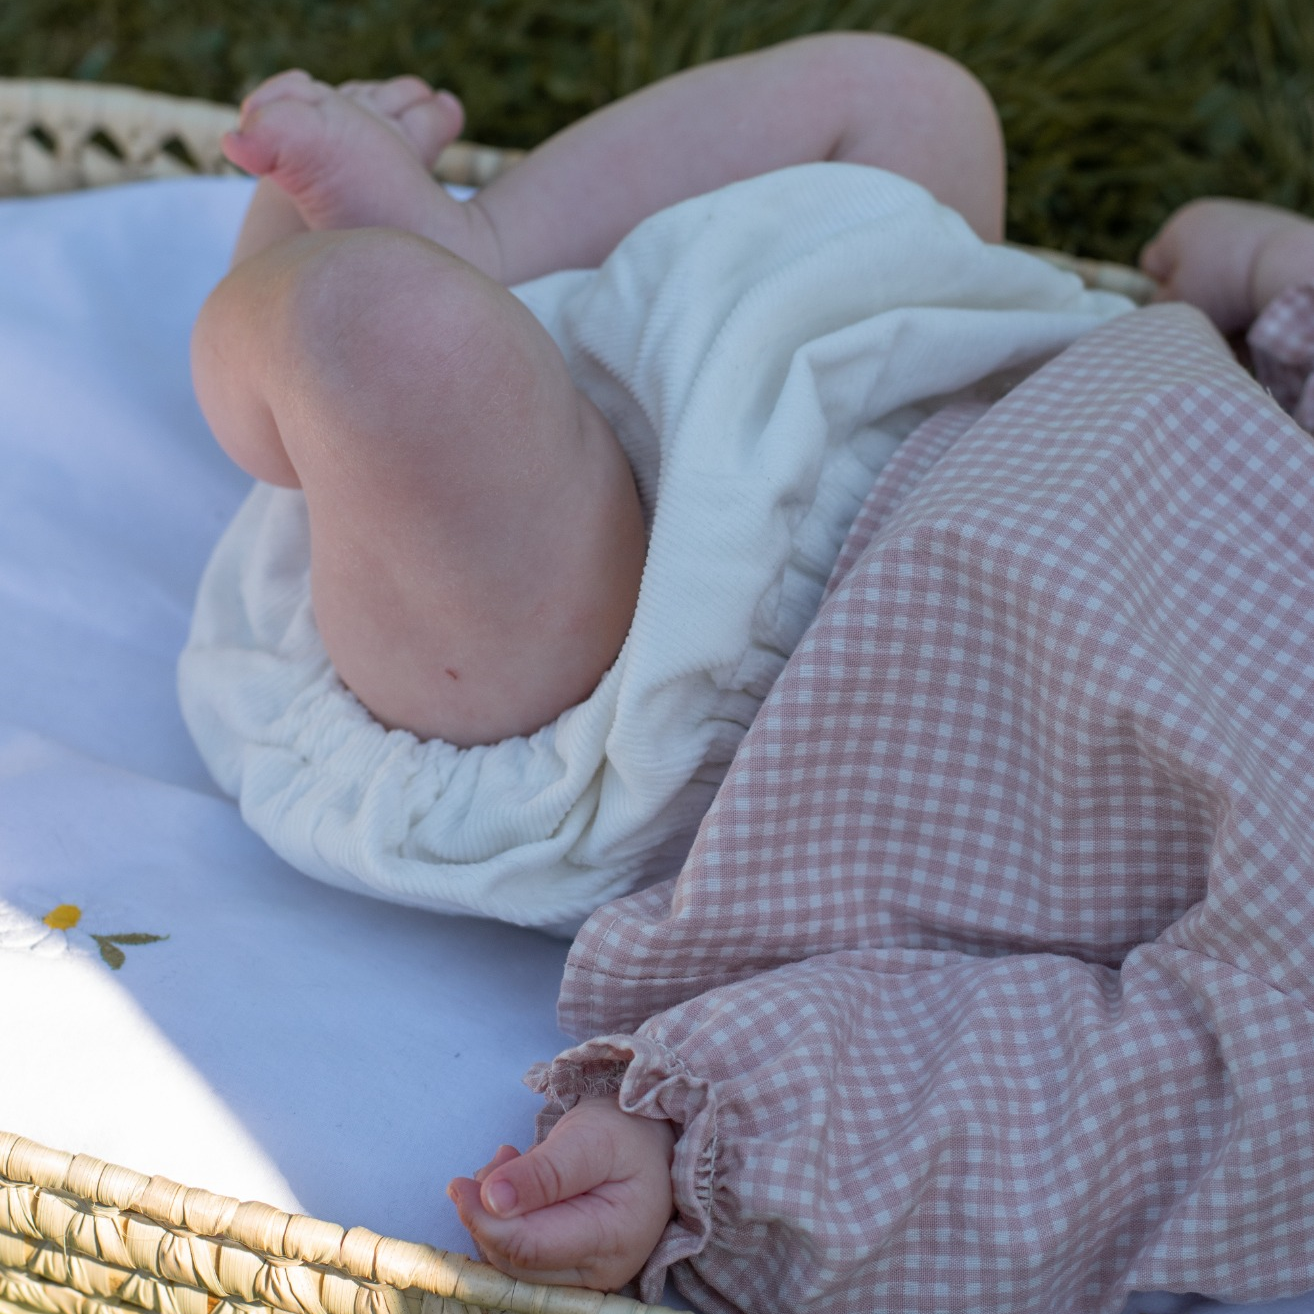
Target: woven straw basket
(57, 136)
(79, 1236)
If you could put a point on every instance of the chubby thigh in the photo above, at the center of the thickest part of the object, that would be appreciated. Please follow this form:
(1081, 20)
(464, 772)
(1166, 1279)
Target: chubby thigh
(476, 536)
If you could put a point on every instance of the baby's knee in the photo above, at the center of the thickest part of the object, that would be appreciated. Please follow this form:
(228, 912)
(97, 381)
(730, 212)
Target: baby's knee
(973, 169)
(918, 112)
(279, 331)
(393, 345)
(327, 328)
(862, 60)
(230, 349)
(372, 311)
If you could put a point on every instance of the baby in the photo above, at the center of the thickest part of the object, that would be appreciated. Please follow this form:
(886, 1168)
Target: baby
(477, 537)
(477, 540)
(462, 646)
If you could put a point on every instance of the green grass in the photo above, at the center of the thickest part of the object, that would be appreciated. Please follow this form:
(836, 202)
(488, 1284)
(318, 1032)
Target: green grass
(1116, 111)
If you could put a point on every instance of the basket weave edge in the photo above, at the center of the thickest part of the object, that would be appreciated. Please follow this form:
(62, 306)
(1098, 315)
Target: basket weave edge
(60, 135)
(291, 1238)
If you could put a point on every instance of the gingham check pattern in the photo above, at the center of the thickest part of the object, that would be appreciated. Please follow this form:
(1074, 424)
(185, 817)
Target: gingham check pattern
(987, 985)
(1283, 345)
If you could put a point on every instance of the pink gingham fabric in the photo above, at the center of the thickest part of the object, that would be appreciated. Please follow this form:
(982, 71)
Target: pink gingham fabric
(988, 983)
(1282, 342)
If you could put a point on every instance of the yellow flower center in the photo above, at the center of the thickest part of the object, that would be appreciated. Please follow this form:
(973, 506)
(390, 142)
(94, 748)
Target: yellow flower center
(63, 918)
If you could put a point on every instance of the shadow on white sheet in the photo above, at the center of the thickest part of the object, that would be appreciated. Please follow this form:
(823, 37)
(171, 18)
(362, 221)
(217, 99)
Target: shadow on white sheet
(280, 1039)
(180, 1000)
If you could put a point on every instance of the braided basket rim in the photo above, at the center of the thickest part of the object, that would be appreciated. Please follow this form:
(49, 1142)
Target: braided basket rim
(101, 1211)
(61, 135)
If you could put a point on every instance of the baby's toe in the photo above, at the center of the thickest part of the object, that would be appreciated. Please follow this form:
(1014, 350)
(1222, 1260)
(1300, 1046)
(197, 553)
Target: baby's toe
(292, 84)
(392, 97)
(431, 125)
(429, 121)
(288, 136)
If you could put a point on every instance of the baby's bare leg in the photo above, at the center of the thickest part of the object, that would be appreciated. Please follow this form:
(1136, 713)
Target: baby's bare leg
(476, 538)
(859, 98)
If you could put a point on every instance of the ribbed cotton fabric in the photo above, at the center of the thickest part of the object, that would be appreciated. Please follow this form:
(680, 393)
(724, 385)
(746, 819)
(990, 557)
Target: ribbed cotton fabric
(760, 351)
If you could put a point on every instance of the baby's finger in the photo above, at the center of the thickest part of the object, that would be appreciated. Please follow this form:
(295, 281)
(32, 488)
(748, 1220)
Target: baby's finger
(574, 1159)
(563, 1243)
(1156, 259)
(505, 1153)
(463, 1192)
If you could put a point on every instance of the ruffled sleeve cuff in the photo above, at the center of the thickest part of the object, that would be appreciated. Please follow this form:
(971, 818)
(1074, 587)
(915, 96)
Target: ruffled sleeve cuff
(1281, 343)
(649, 1080)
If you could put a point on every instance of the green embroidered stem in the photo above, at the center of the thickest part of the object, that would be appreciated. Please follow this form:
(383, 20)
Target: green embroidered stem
(109, 945)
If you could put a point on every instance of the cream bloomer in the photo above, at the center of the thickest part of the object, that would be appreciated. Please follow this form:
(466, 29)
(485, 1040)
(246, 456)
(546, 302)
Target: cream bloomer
(759, 351)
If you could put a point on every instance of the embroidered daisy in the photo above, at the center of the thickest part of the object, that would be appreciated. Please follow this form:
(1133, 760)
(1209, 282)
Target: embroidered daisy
(35, 924)
(23, 928)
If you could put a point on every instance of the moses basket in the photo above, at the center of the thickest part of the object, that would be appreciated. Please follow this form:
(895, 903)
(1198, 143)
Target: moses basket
(80, 1236)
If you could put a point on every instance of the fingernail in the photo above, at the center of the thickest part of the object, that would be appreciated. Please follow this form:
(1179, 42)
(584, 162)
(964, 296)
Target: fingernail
(500, 1198)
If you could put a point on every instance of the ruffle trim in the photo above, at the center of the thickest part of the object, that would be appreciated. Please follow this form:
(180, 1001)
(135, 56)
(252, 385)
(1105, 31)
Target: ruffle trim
(650, 1081)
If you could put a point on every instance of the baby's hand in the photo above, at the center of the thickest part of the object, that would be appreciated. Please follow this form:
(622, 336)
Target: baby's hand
(1230, 258)
(586, 1207)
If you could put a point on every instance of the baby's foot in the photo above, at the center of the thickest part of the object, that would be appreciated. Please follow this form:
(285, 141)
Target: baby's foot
(429, 120)
(1230, 258)
(355, 158)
